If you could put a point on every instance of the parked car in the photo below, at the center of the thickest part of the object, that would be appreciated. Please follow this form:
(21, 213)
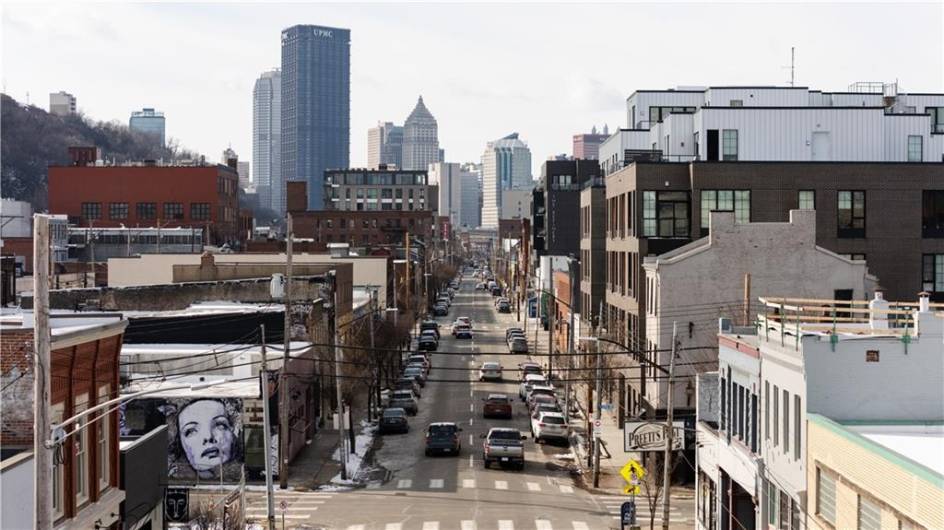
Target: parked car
(496, 291)
(443, 437)
(408, 383)
(416, 372)
(431, 334)
(497, 406)
(529, 380)
(504, 307)
(417, 365)
(420, 358)
(464, 320)
(393, 420)
(529, 368)
(404, 399)
(462, 331)
(440, 310)
(514, 330)
(504, 447)
(550, 425)
(427, 343)
(429, 325)
(536, 399)
(491, 371)
(545, 407)
(444, 300)
(518, 345)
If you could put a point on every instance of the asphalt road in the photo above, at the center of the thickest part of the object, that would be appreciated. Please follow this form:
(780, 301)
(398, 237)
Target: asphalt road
(456, 492)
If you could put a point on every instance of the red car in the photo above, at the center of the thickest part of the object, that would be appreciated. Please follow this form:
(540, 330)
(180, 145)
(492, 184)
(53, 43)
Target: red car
(497, 406)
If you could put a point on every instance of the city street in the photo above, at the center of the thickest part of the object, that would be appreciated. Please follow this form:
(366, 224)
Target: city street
(456, 492)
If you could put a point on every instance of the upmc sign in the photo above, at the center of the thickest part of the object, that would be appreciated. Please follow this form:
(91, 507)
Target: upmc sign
(650, 436)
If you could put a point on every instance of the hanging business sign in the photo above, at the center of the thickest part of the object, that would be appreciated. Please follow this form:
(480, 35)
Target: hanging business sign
(651, 436)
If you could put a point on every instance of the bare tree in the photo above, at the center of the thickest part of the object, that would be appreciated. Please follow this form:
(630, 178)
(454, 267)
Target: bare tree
(652, 489)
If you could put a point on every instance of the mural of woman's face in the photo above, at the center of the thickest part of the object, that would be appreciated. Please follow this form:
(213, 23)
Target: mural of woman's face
(206, 434)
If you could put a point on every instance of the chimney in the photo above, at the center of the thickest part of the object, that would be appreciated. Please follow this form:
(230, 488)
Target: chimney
(878, 310)
(924, 302)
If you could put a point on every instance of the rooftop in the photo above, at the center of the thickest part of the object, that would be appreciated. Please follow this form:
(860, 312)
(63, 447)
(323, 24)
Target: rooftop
(923, 443)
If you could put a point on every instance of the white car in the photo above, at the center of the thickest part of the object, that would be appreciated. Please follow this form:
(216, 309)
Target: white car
(463, 320)
(529, 381)
(550, 425)
(491, 371)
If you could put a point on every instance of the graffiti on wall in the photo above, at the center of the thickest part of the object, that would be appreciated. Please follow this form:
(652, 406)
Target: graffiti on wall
(205, 435)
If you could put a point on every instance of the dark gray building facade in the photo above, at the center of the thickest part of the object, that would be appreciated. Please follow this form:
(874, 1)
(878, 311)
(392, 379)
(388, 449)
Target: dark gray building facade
(556, 204)
(316, 105)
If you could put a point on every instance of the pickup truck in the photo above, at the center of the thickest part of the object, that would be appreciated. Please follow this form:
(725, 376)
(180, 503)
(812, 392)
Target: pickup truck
(504, 446)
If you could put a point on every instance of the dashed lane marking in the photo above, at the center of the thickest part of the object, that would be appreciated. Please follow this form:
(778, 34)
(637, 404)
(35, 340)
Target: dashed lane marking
(501, 485)
(471, 440)
(404, 483)
(534, 486)
(468, 483)
(471, 461)
(436, 483)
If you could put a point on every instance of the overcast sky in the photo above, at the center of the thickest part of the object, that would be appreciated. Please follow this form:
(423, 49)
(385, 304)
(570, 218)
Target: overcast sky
(547, 71)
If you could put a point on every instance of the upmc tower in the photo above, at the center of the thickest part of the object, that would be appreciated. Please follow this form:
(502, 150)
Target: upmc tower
(316, 105)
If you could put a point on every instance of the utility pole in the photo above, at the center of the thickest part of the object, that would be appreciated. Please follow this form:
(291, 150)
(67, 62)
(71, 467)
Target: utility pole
(670, 431)
(285, 430)
(42, 486)
(267, 436)
(517, 290)
(374, 356)
(337, 382)
(409, 278)
(597, 415)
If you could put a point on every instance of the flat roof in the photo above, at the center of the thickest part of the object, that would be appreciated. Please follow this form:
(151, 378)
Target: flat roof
(242, 388)
(920, 442)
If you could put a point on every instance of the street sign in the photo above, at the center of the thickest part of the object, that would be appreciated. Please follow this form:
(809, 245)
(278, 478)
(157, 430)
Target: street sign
(650, 436)
(283, 505)
(632, 472)
(628, 513)
(631, 490)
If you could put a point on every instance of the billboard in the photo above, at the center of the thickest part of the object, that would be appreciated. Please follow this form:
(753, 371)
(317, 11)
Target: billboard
(205, 435)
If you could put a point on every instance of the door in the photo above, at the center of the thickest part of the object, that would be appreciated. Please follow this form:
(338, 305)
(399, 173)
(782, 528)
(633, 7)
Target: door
(712, 144)
(822, 146)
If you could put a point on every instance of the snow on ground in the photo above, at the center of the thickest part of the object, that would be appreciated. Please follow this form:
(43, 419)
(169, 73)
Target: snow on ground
(355, 468)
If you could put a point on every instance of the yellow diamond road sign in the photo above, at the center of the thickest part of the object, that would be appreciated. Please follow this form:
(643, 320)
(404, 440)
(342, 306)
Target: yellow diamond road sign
(631, 490)
(632, 472)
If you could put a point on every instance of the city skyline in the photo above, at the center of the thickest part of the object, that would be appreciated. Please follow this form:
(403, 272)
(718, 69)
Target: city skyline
(220, 71)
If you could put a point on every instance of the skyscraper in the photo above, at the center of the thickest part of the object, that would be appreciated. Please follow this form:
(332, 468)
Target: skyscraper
(267, 140)
(148, 121)
(506, 164)
(420, 138)
(316, 105)
(384, 145)
(470, 211)
(587, 146)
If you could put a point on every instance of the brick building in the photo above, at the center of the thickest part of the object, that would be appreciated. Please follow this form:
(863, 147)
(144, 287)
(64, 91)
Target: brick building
(84, 372)
(359, 228)
(148, 195)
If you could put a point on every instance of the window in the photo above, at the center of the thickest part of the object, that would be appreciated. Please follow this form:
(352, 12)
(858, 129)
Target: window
(915, 148)
(767, 410)
(870, 514)
(724, 405)
(784, 511)
(200, 211)
(737, 102)
(932, 273)
(80, 462)
(786, 422)
(104, 436)
(932, 213)
(147, 210)
(776, 416)
(729, 144)
(937, 118)
(753, 420)
(665, 214)
(806, 200)
(797, 427)
(118, 210)
(91, 210)
(737, 201)
(825, 496)
(851, 208)
(173, 210)
(772, 503)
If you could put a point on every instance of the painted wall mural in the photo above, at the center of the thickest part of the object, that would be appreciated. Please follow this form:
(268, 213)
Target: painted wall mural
(205, 435)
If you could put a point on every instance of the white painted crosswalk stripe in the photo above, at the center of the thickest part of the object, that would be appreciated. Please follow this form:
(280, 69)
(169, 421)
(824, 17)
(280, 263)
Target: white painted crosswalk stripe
(356, 527)
(404, 483)
(580, 525)
(467, 525)
(506, 524)
(431, 525)
(566, 489)
(501, 485)
(287, 516)
(468, 483)
(436, 483)
(534, 486)
(394, 526)
(543, 524)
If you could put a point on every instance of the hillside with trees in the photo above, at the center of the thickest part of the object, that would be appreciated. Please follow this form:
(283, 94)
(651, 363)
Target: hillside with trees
(31, 139)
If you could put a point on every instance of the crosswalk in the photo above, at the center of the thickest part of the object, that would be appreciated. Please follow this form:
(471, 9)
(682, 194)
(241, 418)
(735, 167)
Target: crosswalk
(471, 483)
(612, 506)
(468, 524)
(298, 505)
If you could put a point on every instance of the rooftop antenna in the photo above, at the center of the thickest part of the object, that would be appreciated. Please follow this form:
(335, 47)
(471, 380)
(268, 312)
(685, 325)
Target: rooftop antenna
(792, 66)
